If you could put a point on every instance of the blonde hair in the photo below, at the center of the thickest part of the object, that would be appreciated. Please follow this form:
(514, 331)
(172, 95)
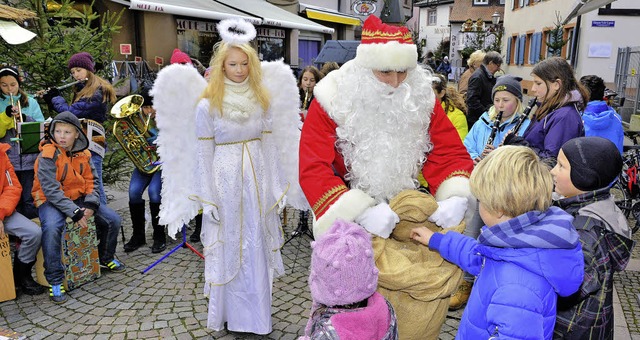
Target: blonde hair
(512, 180)
(475, 57)
(92, 85)
(519, 110)
(214, 92)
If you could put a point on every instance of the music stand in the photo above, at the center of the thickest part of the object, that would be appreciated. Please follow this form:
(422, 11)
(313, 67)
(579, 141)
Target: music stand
(301, 230)
(184, 244)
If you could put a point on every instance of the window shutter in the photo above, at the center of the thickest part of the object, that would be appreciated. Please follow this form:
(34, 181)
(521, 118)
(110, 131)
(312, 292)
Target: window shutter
(538, 47)
(523, 41)
(509, 51)
(517, 51)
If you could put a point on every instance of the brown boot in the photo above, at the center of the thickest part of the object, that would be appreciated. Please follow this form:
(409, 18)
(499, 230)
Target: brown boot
(461, 296)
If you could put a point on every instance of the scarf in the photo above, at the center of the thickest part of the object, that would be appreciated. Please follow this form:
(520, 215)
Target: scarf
(239, 101)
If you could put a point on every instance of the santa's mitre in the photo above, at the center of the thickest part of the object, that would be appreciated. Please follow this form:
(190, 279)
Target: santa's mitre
(386, 48)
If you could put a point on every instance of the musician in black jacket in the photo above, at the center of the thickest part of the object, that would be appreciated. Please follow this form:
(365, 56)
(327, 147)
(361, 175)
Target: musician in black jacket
(480, 85)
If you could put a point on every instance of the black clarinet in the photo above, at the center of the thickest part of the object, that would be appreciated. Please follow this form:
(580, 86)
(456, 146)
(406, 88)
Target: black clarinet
(520, 119)
(494, 128)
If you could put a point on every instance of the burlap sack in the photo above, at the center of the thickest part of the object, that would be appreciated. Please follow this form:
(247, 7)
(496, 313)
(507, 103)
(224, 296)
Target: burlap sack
(417, 281)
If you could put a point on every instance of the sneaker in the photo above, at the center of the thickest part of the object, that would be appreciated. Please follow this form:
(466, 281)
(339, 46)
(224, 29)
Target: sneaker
(114, 266)
(58, 294)
(461, 296)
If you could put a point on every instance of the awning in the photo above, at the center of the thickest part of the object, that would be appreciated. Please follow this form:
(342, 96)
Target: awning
(272, 15)
(326, 14)
(13, 34)
(585, 6)
(206, 9)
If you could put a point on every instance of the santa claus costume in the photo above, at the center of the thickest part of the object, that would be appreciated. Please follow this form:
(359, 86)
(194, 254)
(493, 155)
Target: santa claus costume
(364, 141)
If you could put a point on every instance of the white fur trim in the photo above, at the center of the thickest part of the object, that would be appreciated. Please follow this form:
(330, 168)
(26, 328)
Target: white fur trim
(175, 96)
(392, 56)
(236, 31)
(349, 206)
(458, 186)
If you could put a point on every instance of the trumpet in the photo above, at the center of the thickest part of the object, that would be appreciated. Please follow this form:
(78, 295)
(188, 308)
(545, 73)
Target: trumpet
(16, 119)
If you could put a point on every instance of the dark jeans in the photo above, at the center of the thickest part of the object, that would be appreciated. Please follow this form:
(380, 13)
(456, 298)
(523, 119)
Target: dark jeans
(96, 160)
(25, 205)
(140, 181)
(53, 222)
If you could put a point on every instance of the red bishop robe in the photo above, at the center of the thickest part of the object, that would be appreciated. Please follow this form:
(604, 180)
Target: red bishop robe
(322, 170)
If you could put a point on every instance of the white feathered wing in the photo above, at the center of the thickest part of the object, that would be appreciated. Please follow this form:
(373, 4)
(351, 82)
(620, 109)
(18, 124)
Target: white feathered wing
(175, 95)
(283, 142)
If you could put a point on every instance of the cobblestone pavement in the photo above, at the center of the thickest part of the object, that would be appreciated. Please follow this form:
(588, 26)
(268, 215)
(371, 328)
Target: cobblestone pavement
(167, 302)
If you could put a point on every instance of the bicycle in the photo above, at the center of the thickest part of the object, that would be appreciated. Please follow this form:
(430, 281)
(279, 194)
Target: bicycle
(626, 191)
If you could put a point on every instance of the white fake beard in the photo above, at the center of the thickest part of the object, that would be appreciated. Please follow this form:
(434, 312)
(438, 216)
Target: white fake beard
(383, 132)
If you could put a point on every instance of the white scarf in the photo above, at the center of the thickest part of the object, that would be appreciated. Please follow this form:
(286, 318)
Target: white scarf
(239, 101)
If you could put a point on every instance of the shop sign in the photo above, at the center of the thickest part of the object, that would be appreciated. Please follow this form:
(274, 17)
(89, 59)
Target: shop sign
(270, 32)
(201, 26)
(125, 49)
(364, 7)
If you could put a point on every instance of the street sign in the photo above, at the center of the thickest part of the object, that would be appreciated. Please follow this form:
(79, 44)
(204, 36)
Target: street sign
(159, 61)
(137, 59)
(603, 23)
(125, 49)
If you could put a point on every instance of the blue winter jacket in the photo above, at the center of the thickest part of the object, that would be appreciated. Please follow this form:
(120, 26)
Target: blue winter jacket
(93, 108)
(520, 265)
(477, 137)
(547, 136)
(603, 121)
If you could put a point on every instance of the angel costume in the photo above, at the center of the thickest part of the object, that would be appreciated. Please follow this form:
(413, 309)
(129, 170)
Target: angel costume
(246, 162)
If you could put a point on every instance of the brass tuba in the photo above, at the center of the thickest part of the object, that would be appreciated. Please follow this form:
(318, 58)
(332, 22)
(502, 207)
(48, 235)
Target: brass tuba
(131, 129)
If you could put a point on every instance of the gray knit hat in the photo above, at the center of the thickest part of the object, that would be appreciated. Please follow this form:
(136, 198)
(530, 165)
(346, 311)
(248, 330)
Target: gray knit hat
(508, 83)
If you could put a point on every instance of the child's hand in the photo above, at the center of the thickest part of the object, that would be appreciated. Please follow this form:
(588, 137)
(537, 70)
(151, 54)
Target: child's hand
(82, 222)
(422, 235)
(88, 212)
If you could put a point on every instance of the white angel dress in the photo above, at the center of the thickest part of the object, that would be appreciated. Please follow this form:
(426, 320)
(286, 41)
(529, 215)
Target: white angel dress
(246, 168)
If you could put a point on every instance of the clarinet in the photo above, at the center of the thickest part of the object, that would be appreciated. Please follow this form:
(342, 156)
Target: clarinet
(494, 128)
(520, 120)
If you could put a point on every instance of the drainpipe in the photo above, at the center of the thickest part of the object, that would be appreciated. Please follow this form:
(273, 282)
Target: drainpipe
(574, 43)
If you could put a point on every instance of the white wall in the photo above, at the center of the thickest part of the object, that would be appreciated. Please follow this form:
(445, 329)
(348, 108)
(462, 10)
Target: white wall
(623, 34)
(434, 34)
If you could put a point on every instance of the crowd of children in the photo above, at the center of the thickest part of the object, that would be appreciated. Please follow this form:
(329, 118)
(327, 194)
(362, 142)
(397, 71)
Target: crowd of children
(539, 254)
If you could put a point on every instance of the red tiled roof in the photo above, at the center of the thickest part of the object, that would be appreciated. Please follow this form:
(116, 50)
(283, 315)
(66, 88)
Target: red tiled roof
(464, 9)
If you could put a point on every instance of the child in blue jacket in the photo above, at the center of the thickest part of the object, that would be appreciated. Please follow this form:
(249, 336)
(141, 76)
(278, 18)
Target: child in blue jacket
(526, 255)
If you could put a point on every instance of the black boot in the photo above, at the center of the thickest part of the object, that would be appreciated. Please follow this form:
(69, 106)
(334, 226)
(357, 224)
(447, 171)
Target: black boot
(159, 236)
(25, 279)
(195, 237)
(137, 222)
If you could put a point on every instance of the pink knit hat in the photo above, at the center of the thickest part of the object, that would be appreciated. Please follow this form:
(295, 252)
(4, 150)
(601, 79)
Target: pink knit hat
(343, 270)
(82, 59)
(179, 57)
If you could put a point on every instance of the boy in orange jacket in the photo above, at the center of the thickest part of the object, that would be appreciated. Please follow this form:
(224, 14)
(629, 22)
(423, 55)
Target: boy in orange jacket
(65, 186)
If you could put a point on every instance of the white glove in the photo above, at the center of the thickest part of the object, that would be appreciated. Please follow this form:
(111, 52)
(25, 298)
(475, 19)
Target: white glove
(378, 220)
(450, 212)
